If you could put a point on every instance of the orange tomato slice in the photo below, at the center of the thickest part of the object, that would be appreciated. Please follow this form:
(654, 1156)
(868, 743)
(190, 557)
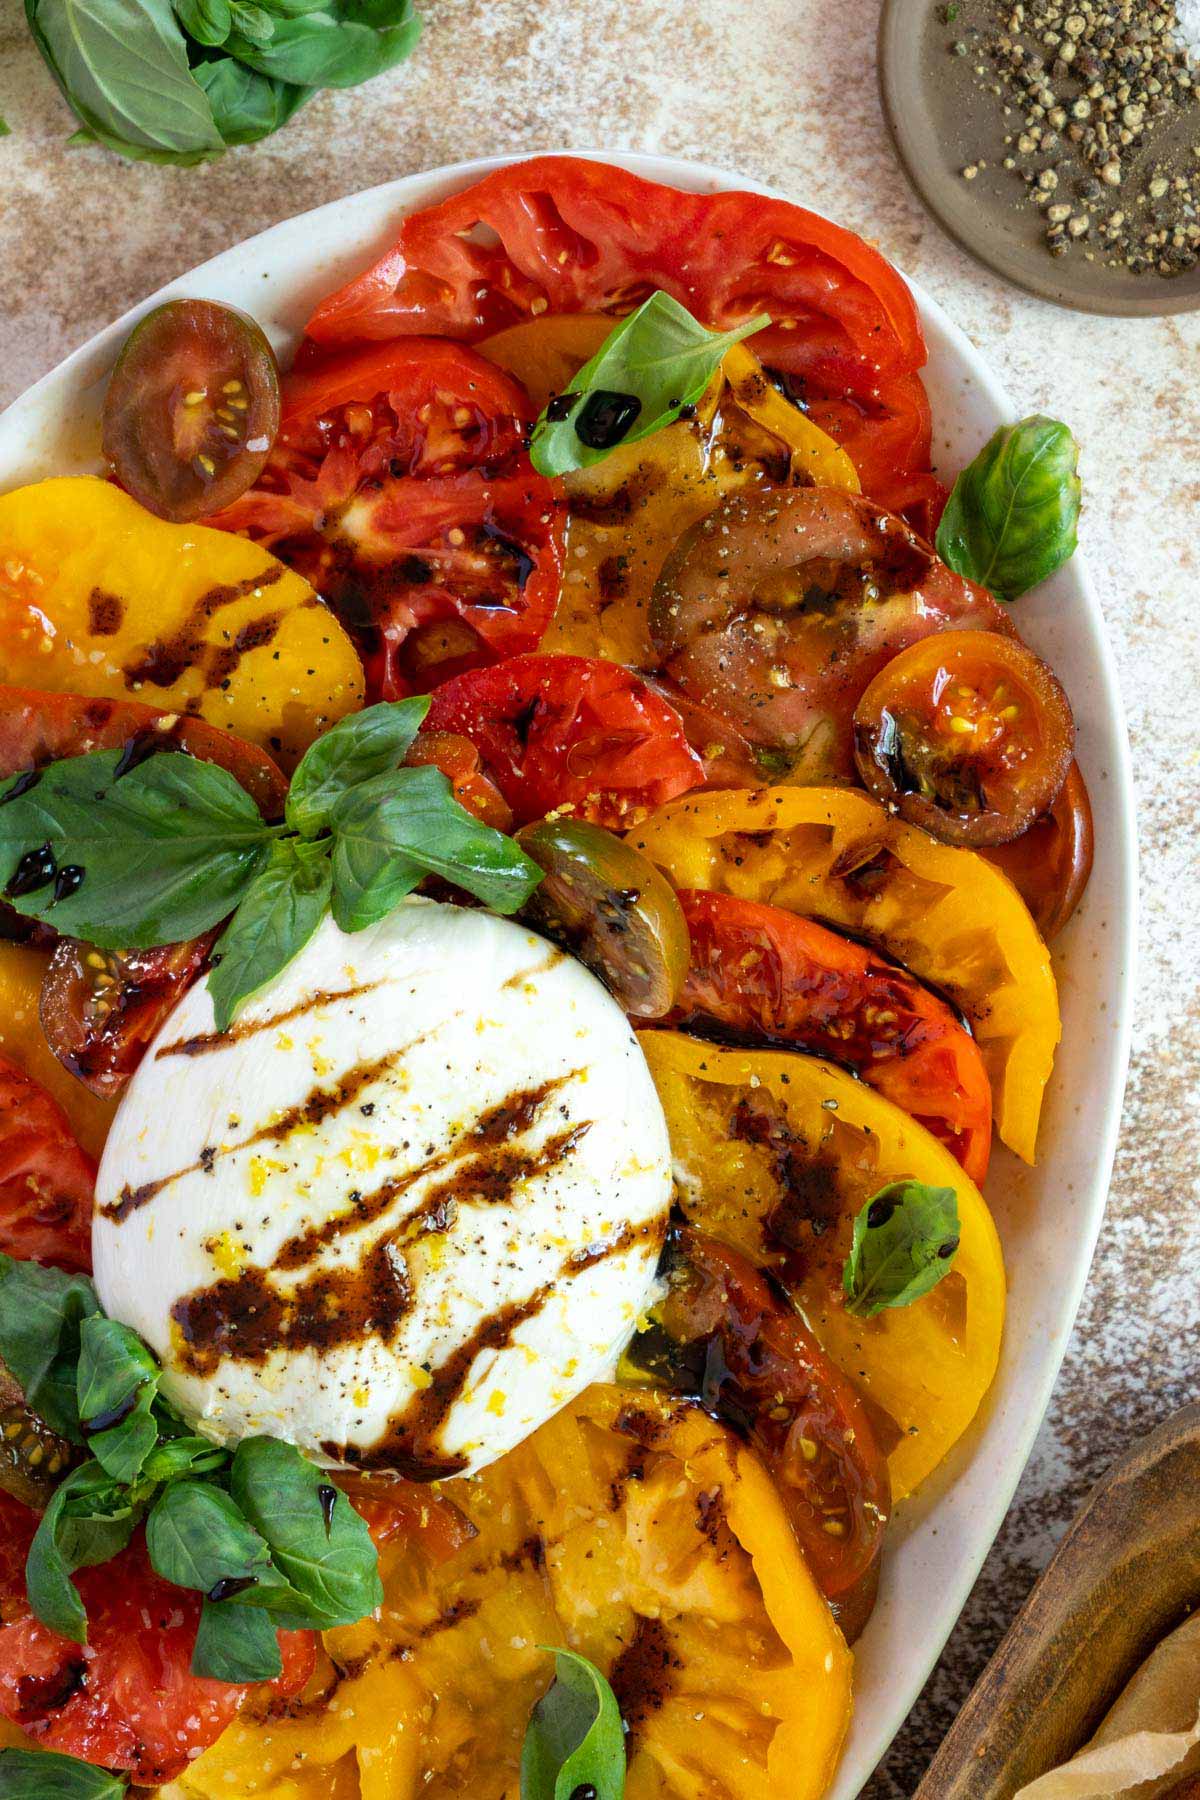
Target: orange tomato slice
(634, 1530)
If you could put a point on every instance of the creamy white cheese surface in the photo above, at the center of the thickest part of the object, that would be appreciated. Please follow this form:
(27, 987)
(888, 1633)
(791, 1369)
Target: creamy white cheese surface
(404, 1210)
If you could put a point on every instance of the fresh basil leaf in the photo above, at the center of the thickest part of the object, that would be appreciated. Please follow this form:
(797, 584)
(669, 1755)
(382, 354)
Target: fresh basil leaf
(166, 851)
(319, 1544)
(5, 128)
(575, 1737)
(89, 1520)
(116, 1383)
(41, 1313)
(357, 748)
(409, 818)
(253, 22)
(904, 1242)
(122, 66)
(209, 22)
(184, 1455)
(247, 106)
(236, 1643)
(338, 45)
(278, 913)
(655, 362)
(49, 1775)
(198, 1538)
(1012, 516)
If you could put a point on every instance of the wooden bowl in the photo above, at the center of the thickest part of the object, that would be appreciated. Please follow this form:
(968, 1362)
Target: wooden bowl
(1126, 1574)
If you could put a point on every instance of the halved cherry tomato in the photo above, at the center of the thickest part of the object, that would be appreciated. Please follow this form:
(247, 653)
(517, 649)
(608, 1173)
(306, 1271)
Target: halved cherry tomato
(723, 1335)
(1049, 864)
(565, 235)
(47, 1183)
(128, 1700)
(192, 408)
(100, 1008)
(766, 974)
(571, 734)
(461, 763)
(779, 609)
(968, 735)
(612, 909)
(37, 728)
(400, 487)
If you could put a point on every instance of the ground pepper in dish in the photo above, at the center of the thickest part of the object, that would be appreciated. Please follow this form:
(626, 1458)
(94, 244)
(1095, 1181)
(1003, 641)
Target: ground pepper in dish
(1104, 105)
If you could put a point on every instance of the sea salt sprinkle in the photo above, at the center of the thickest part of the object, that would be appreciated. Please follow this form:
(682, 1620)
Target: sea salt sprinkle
(1093, 87)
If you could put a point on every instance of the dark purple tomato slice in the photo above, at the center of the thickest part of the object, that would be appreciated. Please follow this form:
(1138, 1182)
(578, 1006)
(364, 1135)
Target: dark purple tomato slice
(192, 408)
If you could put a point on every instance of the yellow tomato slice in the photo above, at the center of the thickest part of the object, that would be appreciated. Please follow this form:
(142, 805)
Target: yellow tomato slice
(99, 597)
(628, 511)
(790, 1205)
(947, 914)
(636, 1531)
(23, 1042)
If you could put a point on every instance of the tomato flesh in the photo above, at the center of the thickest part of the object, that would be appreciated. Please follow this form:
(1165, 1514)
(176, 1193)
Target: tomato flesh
(462, 765)
(129, 1700)
(740, 1349)
(401, 489)
(192, 408)
(612, 909)
(1051, 862)
(47, 1183)
(570, 732)
(761, 973)
(968, 735)
(779, 609)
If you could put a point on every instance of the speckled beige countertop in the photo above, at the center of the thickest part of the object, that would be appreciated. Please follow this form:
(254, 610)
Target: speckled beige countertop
(783, 90)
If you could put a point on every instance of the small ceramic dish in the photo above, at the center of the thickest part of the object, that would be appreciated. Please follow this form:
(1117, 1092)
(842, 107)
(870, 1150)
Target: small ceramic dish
(941, 119)
(1048, 1216)
(1126, 1574)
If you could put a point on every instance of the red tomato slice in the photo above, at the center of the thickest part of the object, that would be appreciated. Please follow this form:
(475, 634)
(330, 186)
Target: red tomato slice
(128, 1700)
(37, 728)
(763, 973)
(400, 487)
(47, 1183)
(744, 1352)
(886, 429)
(570, 734)
(561, 234)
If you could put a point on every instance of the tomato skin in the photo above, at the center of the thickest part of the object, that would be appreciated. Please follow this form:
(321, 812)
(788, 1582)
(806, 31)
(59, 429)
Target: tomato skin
(780, 609)
(967, 735)
(781, 978)
(770, 1376)
(395, 1508)
(886, 428)
(401, 489)
(581, 236)
(1051, 862)
(570, 732)
(37, 728)
(127, 1700)
(47, 1183)
(99, 1021)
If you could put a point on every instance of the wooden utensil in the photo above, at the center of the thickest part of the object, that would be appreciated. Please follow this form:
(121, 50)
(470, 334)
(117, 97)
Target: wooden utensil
(1126, 1574)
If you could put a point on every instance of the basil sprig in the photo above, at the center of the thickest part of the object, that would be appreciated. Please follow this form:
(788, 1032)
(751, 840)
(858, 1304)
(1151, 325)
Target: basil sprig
(264, 1535)
(904, 1243)
(180, 83)
(49, 1775)
(1012, 517)
(650, 366)
(174, 846)
(575, 1738)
